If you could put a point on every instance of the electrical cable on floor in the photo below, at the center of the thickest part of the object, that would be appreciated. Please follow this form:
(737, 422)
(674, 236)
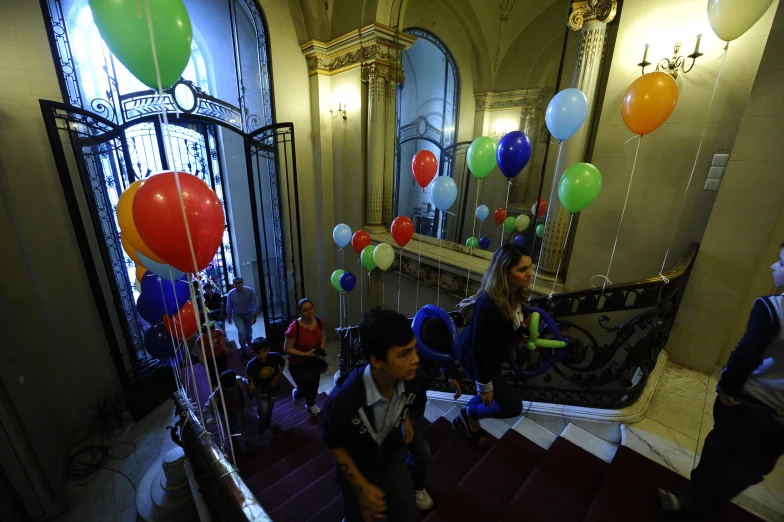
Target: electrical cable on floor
(86, 460)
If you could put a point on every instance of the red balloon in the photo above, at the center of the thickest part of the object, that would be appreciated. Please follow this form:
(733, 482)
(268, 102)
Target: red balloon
(183, 325)
(424, 166)
(542, 210)
(499, 216)
(158, 215)
(402, 230)
(359, 241)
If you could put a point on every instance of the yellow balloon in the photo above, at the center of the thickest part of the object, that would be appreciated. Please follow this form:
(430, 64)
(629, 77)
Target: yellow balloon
(729, 19)
(140, 270)
(128, 226)
(128, 247)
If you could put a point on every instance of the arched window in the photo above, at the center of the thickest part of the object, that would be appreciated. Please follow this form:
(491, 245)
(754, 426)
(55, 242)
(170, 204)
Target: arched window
(427, 119)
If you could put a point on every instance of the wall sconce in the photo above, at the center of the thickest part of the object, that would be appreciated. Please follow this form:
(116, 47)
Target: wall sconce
(677, 63)
(341, 110)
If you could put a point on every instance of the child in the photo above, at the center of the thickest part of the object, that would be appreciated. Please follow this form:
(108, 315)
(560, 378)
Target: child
(264, 370)
(366, 424)
(436, 336)
(748, 415)
(214, 350)
(236, 397)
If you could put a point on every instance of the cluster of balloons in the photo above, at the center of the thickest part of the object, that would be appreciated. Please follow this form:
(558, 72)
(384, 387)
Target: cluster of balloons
(343, 280)
(152, 215)
(123, 25)
(443, 191)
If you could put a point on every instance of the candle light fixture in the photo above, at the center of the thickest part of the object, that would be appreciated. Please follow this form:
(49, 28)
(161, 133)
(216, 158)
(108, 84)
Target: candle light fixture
(675, 64)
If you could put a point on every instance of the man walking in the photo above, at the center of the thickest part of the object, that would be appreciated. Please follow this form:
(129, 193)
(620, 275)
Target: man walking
(242, 306)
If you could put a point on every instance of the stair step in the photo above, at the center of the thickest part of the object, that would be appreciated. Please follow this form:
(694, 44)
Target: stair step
(451, 463)
(486, 490)
(534, 432)
(313, 491)
(590, 443)
(332, 512)
(279, 452)
(438, 434)
(277, 494)
(258, 482)
(561, 487)
(619, 497)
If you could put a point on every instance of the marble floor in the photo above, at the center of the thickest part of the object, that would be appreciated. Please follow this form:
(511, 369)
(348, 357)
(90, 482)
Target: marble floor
(674, 430)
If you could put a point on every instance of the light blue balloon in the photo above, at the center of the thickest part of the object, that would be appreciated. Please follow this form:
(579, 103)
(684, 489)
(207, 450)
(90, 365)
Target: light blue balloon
(443, 192)
(566, 113)
(162, 270)
(482, 212)
(342, 235)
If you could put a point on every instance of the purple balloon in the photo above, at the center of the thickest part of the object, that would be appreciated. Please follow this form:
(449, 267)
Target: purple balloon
(159, 343)
(348, 281)
(484, 242)
(147, 311)
(519, 241)
(513, 153)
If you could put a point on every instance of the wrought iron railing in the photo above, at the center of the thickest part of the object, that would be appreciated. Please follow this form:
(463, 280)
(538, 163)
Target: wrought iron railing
(615, 335)
(224, 493)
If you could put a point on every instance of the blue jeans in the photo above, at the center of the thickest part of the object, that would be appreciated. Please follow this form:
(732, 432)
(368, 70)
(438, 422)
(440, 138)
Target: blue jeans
(264, 404)
(244, 324)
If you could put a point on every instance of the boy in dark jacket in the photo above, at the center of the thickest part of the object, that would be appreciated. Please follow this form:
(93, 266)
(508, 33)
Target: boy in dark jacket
(366, 424)
(748, 415)
(264, 372)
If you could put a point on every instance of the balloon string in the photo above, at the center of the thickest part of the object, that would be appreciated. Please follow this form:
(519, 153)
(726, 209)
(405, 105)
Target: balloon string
(419, 262)
(693, 168)
(361, 288)
(399, 275)
(473, 229)
(167, 148)
(383, 289)
(438, 280)
(606, 277)
(506, 206)
(536, 214)
(561, 256)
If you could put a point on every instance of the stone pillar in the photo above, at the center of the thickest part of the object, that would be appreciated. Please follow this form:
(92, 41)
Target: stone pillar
(389, 151)
(525, 186)
(588, 63)
(375, 151)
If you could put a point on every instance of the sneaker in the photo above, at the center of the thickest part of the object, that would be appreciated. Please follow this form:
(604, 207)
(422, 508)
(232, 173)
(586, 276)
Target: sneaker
(297, 402)
(423, 500)
(670, 501)
(314, 410)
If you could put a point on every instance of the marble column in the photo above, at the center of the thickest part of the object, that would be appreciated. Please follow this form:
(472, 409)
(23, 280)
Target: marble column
(587, 66)
(390, 137)
(376, 103)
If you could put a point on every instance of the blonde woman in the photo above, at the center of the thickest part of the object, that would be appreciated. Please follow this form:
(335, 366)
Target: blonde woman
(497, 315)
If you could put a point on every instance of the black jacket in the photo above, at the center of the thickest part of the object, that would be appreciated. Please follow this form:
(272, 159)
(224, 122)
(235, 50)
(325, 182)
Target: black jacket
(344, 428)
(486, 341)
(426, 374)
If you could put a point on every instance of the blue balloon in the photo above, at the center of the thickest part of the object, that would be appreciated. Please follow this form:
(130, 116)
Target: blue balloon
(163, 294)
(513, 153)
(147, 311)
(484, 242)
(348, 281)
(159, 343)
(342, 235)
(160, 269)
(434, 313)
(519, 241)
(566, 113)
(482, 212)
(443, 192)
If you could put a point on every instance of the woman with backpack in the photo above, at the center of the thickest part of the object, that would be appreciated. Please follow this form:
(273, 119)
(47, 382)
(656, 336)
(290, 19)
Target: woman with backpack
(305, 339)
(490, 334)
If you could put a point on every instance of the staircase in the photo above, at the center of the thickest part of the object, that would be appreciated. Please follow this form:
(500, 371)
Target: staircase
(523, 473)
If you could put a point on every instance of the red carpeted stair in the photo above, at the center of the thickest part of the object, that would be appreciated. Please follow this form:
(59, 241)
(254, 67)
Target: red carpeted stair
(292, 474)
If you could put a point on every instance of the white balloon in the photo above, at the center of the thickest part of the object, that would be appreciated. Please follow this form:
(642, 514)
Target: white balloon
(522, 221)
(383, 255)
(729, 19)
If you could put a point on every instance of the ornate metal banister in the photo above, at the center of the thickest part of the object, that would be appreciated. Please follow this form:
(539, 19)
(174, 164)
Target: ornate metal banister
(606, 366)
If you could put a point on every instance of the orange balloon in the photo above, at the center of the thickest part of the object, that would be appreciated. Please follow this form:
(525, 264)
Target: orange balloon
(649, 102)
(128, 225)
(128, 247)
(140, 270)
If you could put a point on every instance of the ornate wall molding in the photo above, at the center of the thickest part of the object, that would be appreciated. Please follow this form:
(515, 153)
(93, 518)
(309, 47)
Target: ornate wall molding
(523, 98)
(587, 10)
(591, 46)
(376, 48)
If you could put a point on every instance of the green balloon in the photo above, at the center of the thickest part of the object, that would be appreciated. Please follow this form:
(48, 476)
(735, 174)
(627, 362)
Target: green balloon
(579, 187)
(540, 230)
(472, 242)
(509, 225)
(335, 279)
(481, 156)
(367, 258)
(123, 25)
